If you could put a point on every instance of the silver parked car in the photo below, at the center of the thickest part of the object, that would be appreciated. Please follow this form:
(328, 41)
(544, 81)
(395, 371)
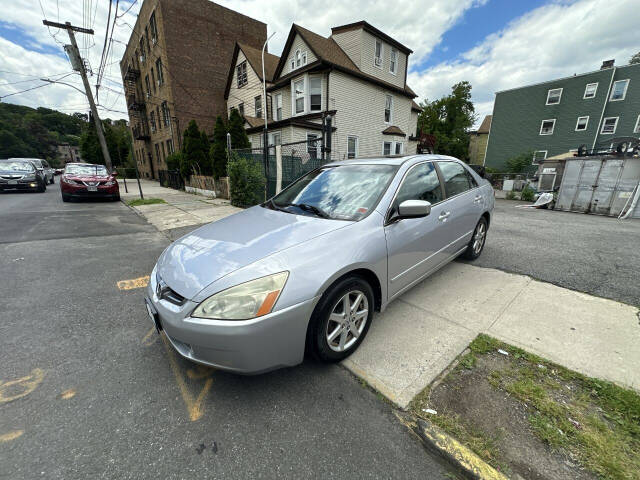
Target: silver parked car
(47, 172)
(308, 268)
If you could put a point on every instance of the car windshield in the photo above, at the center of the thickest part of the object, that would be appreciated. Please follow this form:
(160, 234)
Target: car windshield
(15, 166)
(86, 170)
(344, 192)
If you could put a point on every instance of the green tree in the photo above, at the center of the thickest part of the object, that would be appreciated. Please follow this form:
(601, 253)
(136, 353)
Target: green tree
(635, 59)
(449, 119)
(239, 138)
(195, 151)
(118, 141)
(520, 163)
(218, 151)
(246, 181)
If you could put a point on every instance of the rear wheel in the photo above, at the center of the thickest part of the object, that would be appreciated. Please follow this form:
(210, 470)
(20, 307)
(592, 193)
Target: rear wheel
(476, 244)
(341, 319)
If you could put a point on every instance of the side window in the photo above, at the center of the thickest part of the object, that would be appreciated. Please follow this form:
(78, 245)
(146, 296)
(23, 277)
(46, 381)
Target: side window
(456, 178)
(421, 183)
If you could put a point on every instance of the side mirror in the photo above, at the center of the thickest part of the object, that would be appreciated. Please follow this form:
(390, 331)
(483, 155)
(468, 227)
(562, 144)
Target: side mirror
(414, 209)
(114, 174)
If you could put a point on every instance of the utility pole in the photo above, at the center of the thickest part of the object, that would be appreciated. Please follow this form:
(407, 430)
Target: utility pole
(78, 65)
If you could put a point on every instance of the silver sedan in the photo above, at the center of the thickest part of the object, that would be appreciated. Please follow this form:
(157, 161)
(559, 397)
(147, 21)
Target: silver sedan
(306, 270)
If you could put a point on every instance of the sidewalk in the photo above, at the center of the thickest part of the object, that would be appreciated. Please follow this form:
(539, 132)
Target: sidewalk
(180, 210)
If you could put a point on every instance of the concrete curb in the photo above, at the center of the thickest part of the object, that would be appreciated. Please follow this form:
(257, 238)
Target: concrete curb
(436, 440)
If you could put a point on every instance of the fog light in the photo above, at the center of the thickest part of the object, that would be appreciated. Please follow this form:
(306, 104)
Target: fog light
(32, 184)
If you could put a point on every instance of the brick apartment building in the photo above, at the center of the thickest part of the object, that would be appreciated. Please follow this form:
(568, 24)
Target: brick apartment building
(175, 69)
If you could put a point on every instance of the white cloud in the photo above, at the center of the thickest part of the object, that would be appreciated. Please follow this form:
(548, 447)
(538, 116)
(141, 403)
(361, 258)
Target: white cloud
(553, 41)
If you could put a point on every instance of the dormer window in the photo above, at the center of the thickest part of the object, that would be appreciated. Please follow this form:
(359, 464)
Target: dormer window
(377, 57)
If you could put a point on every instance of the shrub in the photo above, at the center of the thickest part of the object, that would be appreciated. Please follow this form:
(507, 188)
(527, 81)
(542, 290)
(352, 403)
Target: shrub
(246, 181)
(527, 194)
(511, 195)
(174, 161)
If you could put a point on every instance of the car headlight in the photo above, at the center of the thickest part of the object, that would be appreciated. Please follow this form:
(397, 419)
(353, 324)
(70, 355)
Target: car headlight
(109, 183)
(30, 177)
(245, 301)
(69, 181)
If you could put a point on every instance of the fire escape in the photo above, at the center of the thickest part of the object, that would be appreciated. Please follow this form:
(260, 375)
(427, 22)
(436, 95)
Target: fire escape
(135, 104)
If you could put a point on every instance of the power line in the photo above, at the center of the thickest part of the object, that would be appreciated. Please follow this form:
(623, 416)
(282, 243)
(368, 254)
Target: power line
(23, 91)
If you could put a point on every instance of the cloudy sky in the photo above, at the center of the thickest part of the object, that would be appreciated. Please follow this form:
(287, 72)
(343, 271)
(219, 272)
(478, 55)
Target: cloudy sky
(494, 44)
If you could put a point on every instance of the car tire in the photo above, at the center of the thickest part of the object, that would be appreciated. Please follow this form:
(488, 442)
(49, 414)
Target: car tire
(478, 239)
(116, 198)
(53, 180)
(329, 340)
(42, 187)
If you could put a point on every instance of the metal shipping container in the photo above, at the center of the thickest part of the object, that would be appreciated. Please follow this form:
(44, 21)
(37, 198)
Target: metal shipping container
(599, 185)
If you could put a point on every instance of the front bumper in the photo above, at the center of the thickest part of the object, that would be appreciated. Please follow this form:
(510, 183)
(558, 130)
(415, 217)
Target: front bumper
(249, 346)
(82, 191)
(21, 185)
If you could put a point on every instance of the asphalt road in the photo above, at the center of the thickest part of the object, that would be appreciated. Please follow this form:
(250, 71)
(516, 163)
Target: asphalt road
(88, 390)
(589, 253)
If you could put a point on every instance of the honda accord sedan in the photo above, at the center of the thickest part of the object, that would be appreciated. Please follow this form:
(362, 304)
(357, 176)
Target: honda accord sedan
(19, 174)
(307, 270)
(87, 180)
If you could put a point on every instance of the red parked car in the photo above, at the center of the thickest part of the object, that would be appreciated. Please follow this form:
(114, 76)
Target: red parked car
(86, 180)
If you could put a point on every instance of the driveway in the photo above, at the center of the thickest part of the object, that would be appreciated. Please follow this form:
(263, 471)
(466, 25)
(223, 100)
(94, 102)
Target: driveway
(589, 253)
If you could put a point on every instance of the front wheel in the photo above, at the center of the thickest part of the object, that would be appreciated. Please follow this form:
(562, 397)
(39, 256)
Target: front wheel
(476, 244)
(341, 319)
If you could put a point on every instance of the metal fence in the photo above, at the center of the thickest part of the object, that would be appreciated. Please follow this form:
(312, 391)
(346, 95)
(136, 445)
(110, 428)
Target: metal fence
(171, 179)
(284, 163)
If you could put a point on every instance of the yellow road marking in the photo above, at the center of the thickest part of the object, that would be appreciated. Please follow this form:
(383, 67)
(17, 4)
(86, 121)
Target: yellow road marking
(7, 437)
(67, 394)
(149, 339)
(199, 372)
(195, 405)
(133, 283)
(24, 385)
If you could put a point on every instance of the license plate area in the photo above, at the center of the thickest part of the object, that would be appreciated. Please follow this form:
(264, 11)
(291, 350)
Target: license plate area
(92, 188)
(13, 182)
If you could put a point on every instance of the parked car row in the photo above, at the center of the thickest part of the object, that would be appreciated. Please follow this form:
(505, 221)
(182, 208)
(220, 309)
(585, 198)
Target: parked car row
(78, 180)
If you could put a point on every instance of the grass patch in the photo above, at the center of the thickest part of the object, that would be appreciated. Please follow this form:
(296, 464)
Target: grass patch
(145, 201)
(593, 420)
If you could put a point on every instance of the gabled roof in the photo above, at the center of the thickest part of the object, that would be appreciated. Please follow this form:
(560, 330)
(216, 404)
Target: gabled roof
(485, 126)
(373, 31)
(254, 57)
(329, 53)
(254, 121)
(415, 107)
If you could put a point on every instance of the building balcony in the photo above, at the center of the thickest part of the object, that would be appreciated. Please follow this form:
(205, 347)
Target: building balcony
(141, 132)
(134, 103)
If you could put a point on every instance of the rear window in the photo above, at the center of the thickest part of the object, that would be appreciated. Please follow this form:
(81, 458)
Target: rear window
(456, 178)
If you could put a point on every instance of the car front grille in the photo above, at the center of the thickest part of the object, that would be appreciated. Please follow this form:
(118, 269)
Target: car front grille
(164, 292)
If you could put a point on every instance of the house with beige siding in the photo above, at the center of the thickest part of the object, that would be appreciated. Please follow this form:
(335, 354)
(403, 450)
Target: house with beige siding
(357, 76)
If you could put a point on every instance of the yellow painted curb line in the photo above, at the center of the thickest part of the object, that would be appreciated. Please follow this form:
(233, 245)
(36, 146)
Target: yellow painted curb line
(448, 446)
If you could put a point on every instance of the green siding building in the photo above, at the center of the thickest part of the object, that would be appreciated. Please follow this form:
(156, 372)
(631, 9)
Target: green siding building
(554, 117)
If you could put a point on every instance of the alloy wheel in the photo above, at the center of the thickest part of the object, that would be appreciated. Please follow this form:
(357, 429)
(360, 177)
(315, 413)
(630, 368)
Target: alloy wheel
(347, 321)
(479, 237)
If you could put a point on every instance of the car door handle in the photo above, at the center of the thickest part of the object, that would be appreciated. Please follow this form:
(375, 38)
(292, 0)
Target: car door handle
(478, 199)
(443, 216)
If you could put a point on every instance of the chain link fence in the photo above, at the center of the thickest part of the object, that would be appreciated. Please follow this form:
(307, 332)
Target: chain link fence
(282, 166)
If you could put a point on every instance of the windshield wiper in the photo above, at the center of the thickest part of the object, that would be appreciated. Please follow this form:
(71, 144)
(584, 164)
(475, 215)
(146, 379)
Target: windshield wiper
(274, 206)
(310, 208)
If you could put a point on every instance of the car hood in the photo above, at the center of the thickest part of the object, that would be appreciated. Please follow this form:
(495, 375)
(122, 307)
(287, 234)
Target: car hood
(219, 248)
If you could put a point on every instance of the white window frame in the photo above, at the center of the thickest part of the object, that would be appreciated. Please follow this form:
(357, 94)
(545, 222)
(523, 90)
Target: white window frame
(387, 96)
(615, 125)
(586, 125)
(375, 57)
(241, 74)
(277, 104)
(294, 96)
(535, 160)
(298, 58)
(304, 58)
(624, 92)
(314, 77)
(357, 144)
(395, 148)
(559, 96)
(258, 98)
(586, 88)
(552, 128)
(393, 61)
(636, 129)
(390, 147)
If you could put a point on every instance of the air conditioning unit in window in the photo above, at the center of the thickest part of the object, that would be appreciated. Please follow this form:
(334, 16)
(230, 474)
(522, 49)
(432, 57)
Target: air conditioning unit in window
(377, 61)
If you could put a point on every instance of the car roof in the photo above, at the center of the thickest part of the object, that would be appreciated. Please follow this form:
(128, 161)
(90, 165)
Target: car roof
(396, 160)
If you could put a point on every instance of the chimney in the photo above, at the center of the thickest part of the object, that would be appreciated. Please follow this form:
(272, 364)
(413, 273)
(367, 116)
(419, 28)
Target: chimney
(607, 64)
